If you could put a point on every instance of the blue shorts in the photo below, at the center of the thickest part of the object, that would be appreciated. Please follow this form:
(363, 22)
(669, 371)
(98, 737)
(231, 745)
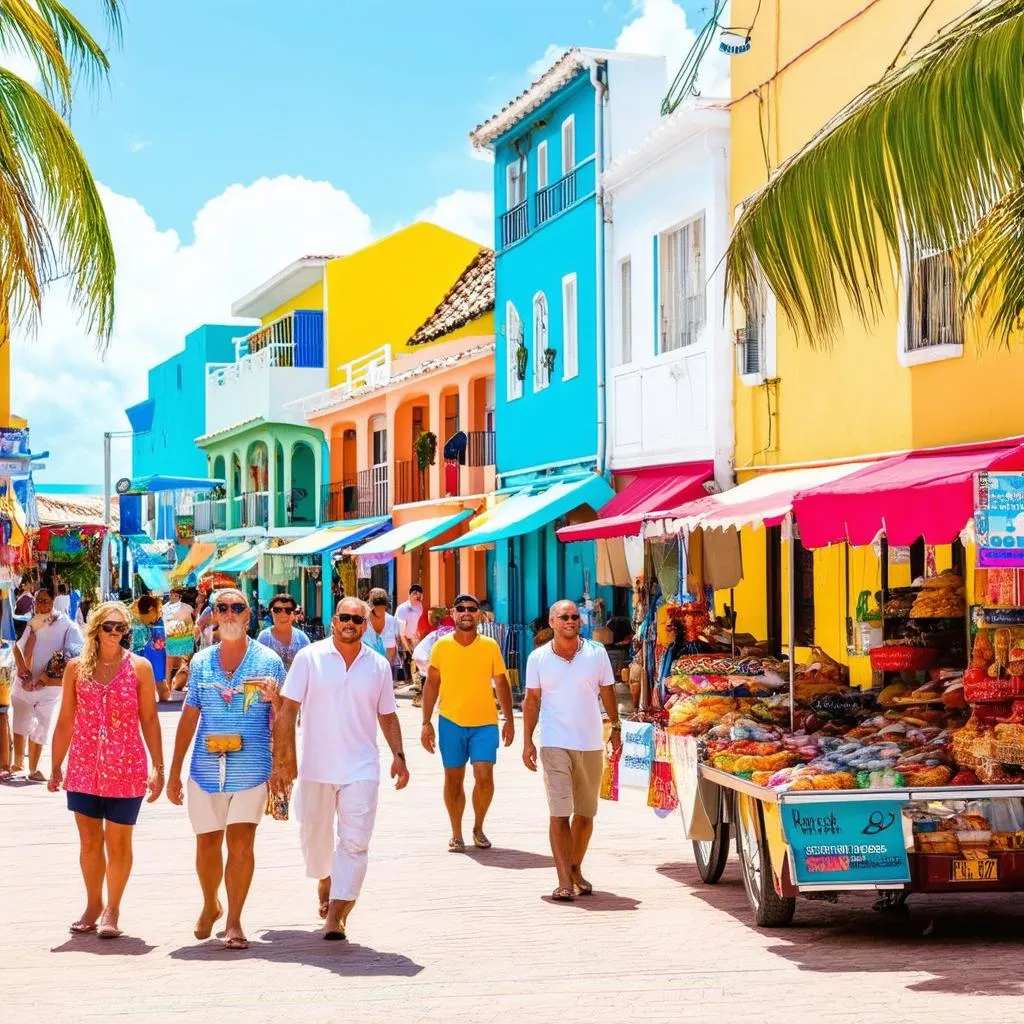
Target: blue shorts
(121, 810)
(461, 743)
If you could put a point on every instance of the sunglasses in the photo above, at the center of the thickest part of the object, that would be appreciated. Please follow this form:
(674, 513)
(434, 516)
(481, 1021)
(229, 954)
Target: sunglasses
(463, 609)
(569, 618)
(356, 620)
(236, 608)
(113, 627)
(281, 610)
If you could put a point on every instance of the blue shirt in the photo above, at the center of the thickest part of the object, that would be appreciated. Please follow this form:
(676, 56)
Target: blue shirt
(223, 711)
(285, 652)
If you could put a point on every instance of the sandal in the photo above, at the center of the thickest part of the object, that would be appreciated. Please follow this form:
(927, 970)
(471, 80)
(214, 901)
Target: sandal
(583, 888)
(480, 841)
(108, 931)
(456, 846)
(36, 776)
(5, 774)
(338, 935)
(563, 894)
(235, 942)
(80, 928)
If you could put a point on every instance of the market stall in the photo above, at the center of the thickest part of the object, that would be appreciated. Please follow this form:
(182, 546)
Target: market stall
(911, 781)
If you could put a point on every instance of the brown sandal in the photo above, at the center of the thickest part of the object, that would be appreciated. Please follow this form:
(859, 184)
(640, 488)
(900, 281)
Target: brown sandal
(456, 846)
(563, 894)
(480, 841)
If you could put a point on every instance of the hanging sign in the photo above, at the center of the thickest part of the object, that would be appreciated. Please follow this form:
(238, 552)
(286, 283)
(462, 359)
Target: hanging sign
(184, 528)
(848, 841)
(999, 519)
(637, 755)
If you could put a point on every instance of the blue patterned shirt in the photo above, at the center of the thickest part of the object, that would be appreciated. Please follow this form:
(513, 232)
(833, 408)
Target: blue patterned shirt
(285, 652)
(226, 709)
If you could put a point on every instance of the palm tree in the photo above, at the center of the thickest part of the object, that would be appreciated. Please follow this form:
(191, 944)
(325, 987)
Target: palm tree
(52, 223)
(931, 157)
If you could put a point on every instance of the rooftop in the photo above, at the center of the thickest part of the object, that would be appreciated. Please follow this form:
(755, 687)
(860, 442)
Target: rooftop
(470, 297)
(305, 272)
(74, 510)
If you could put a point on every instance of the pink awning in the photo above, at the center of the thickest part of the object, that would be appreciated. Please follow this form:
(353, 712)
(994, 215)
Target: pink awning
(653, 488)
(927, 494)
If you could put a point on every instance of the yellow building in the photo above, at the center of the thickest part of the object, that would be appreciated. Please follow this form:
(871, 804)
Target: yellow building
(916, 377)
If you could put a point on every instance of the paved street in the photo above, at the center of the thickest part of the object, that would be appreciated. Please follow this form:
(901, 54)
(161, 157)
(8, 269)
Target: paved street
(441, 937)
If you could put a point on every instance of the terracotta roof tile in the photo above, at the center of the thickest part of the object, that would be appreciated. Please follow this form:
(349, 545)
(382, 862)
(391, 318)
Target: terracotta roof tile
(75, 509)
(470, 297)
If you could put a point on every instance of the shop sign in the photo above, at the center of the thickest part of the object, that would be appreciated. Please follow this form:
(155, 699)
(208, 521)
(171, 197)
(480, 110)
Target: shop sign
(847, 841)
(999, 519)
(184, 528)
(637, 755)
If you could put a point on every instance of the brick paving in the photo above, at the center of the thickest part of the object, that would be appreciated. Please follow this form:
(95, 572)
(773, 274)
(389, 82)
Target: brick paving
(442, 937)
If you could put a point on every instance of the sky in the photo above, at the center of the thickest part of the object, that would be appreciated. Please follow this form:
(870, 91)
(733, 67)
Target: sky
(235, 135)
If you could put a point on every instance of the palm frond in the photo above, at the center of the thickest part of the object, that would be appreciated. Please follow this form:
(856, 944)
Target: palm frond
(24, 30)
(922, 157)
(82, 53)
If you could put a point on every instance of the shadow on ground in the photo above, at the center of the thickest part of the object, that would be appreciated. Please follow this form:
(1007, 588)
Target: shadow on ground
(127, 945)
(940, 937)
(512, 860)
(598, 902)
(292, 946)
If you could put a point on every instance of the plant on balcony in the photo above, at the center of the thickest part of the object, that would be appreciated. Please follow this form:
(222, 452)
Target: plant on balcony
(522, 355)
(218, 493)
(549, 359)
(426, 450)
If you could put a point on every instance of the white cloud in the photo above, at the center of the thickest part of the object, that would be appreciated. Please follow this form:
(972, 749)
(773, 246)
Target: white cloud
(466, 213)
(165, 288)
(659, 28)
(138, 145)
(20, 64)
(551, 54)
(485, 156)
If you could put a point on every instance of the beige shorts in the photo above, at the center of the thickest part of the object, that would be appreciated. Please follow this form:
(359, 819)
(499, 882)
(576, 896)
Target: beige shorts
(213, 812)
(572, 779)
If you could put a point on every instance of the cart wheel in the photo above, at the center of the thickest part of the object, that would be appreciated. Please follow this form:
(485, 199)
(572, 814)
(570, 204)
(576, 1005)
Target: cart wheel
(711, 854)
(770, 909)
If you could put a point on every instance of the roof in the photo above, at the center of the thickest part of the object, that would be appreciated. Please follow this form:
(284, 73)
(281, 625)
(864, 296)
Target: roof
(204, 438)
(305, 272)
(471, 296)
(75, 510)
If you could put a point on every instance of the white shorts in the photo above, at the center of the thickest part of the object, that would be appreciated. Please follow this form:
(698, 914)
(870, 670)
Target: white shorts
(213, 812)
(33, 712)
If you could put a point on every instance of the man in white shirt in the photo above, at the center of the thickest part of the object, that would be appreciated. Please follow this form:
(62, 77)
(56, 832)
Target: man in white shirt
(408, 614)
(564, 679)
(345, 690)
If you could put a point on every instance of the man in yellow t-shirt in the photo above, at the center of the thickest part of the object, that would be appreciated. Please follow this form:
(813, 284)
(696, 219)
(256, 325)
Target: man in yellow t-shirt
(462, 668)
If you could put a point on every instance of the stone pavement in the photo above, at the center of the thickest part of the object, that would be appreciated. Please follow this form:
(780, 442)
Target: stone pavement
(443, 937)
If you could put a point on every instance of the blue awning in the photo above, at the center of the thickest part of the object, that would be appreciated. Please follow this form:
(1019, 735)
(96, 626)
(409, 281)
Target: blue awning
(411, 535)
(155, 484)
(155, 578)
(531, 509)
(331, 537)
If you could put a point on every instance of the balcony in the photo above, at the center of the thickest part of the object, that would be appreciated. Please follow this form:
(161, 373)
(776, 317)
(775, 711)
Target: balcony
(550, 201)
(254, 509)
(411, 483)
(370, 371)
(210, 516)
(480, 448)
(339, 501)
(515, 224)
(372, 489)
(275, 366)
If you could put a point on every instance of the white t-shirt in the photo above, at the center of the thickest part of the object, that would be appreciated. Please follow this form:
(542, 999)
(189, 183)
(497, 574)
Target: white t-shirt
(386, 638)
(176, 611)
(340, 707)
(570, 715)
(62, 604)
(409, 615)
(59, 635)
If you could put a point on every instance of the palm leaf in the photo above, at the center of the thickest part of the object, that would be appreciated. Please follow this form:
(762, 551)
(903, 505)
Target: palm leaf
(922, 158)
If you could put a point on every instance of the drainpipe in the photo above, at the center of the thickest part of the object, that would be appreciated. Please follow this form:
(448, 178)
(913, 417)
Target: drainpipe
(600, 102)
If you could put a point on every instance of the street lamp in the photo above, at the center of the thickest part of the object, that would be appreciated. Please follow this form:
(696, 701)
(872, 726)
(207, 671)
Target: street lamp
(105, 557)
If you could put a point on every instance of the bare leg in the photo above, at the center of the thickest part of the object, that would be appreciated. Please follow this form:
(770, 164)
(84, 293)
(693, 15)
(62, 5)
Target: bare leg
(118, 841)
(35, 751)
(323, 895)
(210, 869)
(238, 876)
(93, 863)
(582, 829)
(5, 742)
(337, 915)
(19, 753)
(483, 793)
(561, 849)
(455, 798)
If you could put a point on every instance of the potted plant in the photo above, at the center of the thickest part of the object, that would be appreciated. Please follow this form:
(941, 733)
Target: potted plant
(549, 359)
(426, 450)
(522, 354)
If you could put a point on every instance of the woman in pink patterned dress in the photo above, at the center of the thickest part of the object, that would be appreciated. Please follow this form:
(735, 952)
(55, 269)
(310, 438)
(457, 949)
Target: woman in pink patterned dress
(107, 709)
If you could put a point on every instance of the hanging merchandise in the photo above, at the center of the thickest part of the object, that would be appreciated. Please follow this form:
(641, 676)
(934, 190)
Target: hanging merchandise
(637, 755)
(661, 794)
(610, 776)
(868, 632)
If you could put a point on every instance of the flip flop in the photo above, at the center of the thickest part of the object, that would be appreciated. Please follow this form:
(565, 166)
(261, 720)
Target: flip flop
(37, 776)
(563, 894)
(456, 846)
(235, 942)
(108, 931)
(480, 841)
(82, 929)
(584, 888)
(5, 774)
(335, 936)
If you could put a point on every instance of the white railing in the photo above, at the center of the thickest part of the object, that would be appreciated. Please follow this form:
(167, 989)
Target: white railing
(210, 516)
(277, 339)
(255, 508)
(370, 371)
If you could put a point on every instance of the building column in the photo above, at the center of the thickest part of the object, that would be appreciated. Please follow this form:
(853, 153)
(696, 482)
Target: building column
(272, 487)
(435, 424)
(288, 452)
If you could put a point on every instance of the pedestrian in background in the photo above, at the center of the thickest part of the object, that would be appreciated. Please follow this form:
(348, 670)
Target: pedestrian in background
(564, 680)
(382, 629)
(345, 691)
(409, 614)
(107, 710)
(283, 637)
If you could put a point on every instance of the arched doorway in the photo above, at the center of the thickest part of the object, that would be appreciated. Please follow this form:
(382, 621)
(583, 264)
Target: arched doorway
(302, 497)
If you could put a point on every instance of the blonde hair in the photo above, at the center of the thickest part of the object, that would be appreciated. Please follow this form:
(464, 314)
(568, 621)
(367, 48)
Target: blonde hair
(91, 650)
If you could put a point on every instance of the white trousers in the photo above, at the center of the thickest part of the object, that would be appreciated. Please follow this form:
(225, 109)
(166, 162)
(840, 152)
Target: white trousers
(343, 856)
(33, 712)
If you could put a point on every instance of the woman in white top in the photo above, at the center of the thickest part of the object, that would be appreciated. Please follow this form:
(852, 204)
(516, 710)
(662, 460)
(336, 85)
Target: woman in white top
(382, 630)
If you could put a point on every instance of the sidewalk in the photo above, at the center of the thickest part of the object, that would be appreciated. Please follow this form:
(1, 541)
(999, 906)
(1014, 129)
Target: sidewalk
(444, 937)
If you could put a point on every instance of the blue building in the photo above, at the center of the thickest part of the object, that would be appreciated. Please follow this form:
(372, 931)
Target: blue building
(551, 145)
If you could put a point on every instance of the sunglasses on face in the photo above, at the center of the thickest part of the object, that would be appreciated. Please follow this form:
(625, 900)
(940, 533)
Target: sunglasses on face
(113, 627)
(281, 610)
(356, 620)
(464, 609)
(236, 608)
(569, 618)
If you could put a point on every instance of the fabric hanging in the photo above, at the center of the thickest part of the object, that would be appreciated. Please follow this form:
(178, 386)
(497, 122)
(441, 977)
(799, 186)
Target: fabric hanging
(612, 566)
(723, 558)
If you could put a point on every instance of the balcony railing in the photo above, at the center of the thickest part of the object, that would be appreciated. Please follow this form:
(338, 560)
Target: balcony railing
(255, 507)
(210, 516)
(515, 224)
(480, 450)
(296, 339)
(555, 198)
(372, 485)
(369, 371)
(411, 483)
(339, 501)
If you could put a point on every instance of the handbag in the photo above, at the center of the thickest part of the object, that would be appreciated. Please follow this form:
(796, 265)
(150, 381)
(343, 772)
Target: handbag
(223, 743)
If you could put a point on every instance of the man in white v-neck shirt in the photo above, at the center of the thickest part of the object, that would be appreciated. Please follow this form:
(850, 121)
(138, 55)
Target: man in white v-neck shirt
(564, 680)
(345, 690)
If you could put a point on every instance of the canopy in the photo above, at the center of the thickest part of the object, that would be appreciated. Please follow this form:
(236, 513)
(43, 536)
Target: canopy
(532, 508)
(228, 554)
(927, 494)
(155, 578)
(764, 500)
(197, 555)
(654, 488)
(244, 561)
(410, 536)
(330, 538)
(156, 484)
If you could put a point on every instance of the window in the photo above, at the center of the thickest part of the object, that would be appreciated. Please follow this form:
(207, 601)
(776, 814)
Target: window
(570, 328)
(750, 338)
(933, 308)
(515, 182)
(542, 165)
(379, 433)
(513, 342)
(681, 284)
(803, 621)
(541, 377)
(626, 311)
(568, 144)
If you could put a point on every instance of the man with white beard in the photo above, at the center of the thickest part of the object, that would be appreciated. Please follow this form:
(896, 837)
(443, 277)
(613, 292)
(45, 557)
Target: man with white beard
(231, 689)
